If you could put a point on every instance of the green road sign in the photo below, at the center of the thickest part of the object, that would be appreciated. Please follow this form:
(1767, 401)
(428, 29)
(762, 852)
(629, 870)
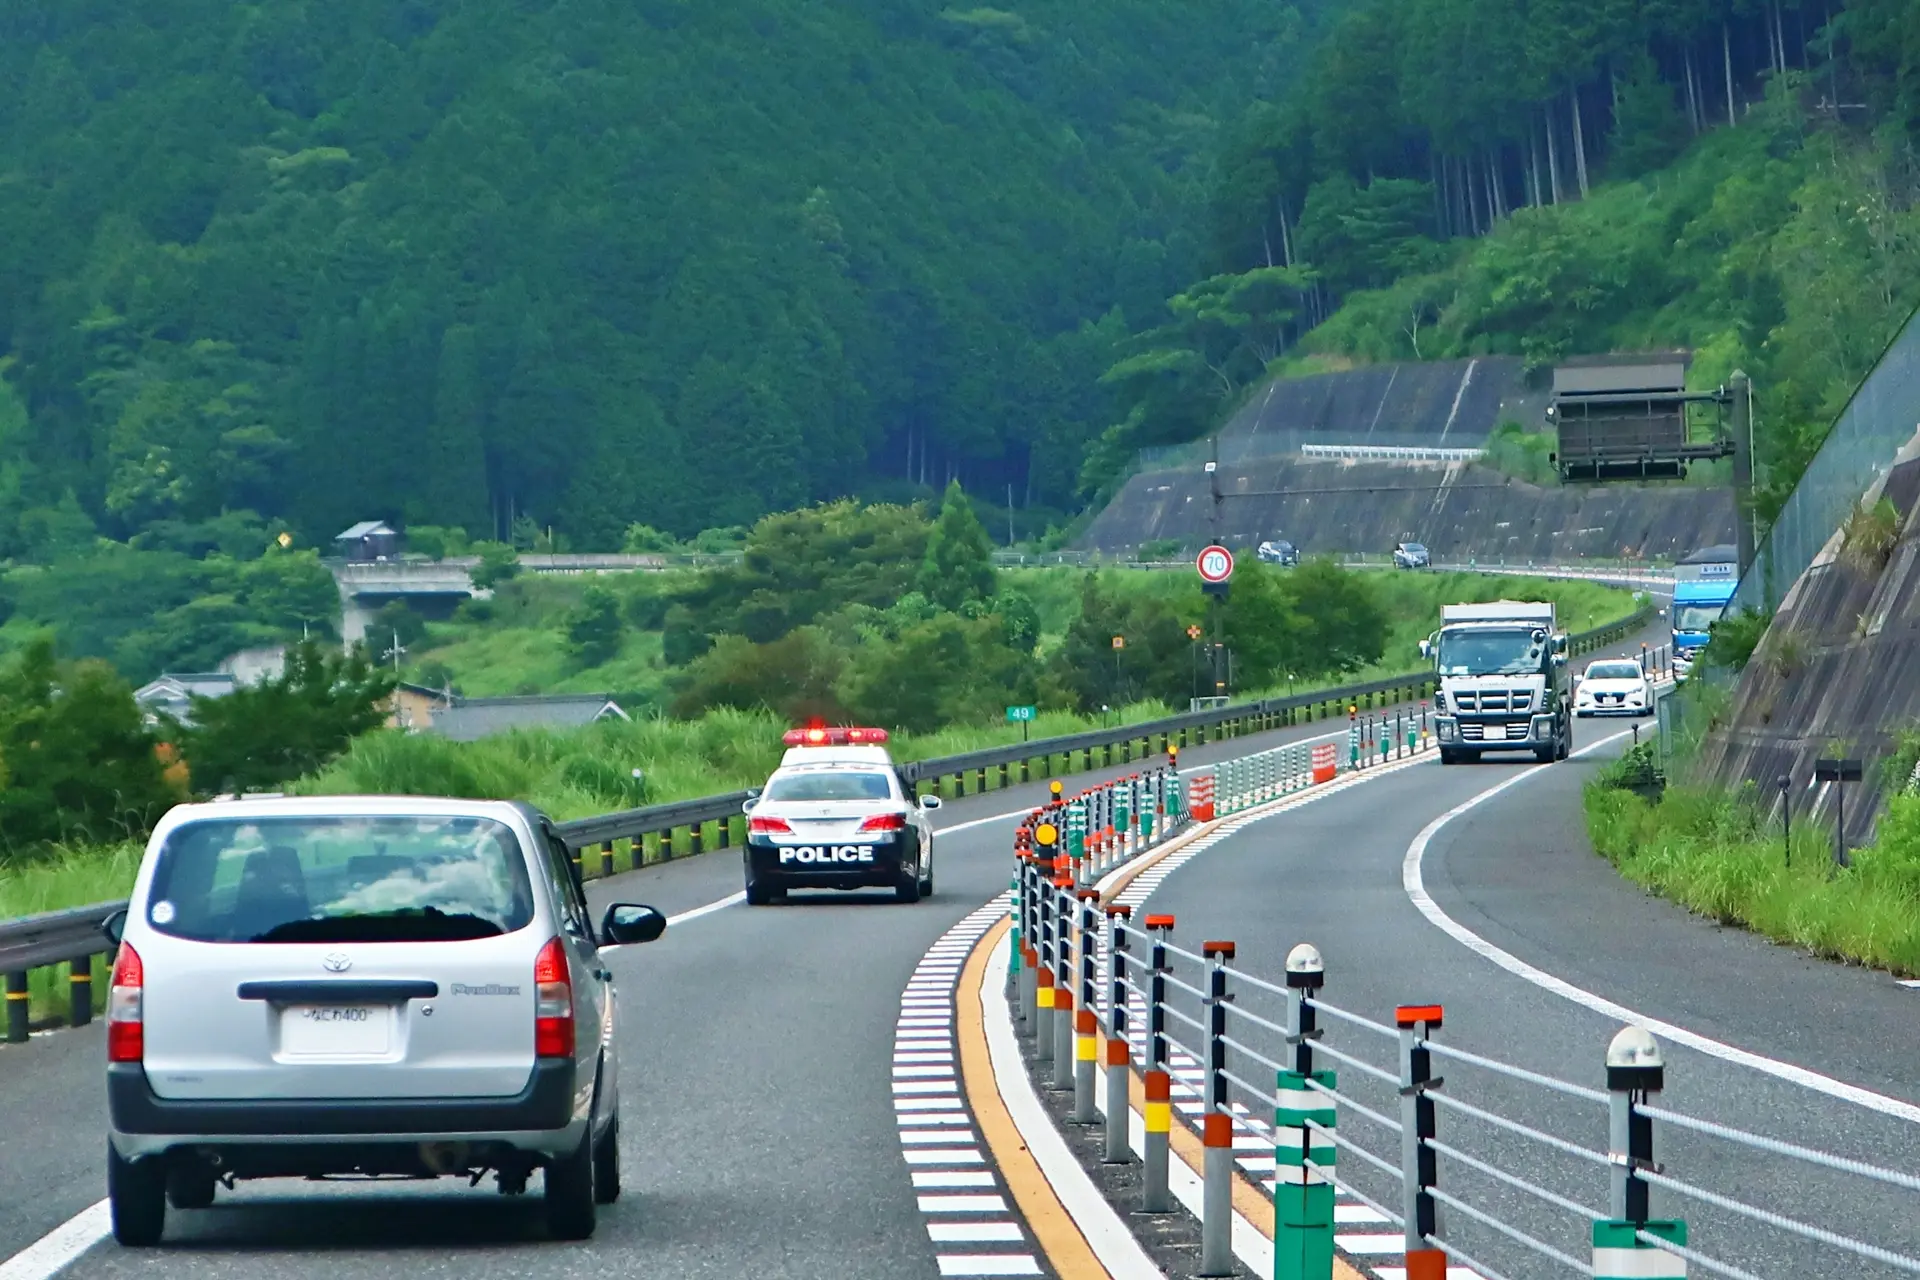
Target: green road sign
(1019, 713)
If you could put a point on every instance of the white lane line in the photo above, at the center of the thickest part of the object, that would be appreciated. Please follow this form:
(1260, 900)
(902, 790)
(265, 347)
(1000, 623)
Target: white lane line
(971, 1232)
(59, 1246)
(962, 1204)
(1411, 880)
(988, 1264)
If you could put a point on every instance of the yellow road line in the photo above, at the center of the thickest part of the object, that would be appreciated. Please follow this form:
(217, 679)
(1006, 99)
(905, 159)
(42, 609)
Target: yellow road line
(1054, 1229)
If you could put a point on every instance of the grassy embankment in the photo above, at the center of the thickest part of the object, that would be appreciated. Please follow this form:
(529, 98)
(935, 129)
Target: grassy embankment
(1725, 857)
(576, 773)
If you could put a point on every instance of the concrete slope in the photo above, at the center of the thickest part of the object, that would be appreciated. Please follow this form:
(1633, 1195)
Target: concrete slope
(1459, 511)
(1840, 665)
(1451, 403)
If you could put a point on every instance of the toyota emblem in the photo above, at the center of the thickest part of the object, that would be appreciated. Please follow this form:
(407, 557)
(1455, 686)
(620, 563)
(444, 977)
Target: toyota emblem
(337, 963)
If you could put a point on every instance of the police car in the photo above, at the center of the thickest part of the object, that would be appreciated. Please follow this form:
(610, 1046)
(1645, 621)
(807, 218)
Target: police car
(838, 814)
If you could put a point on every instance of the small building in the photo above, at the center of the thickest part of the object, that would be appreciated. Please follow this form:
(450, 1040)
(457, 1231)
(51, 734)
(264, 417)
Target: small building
(470, 719)
(366, 542)
(413, 706)
(172, 693)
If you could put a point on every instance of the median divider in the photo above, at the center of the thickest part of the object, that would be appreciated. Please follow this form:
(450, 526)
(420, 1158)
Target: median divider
(1346, 1125)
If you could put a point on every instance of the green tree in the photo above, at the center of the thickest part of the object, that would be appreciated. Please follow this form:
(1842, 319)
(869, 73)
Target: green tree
(1019, 620)
(958, 568)
(77, 762)
(947, 669)
(498, 563)
(288, 726)
(594, 628)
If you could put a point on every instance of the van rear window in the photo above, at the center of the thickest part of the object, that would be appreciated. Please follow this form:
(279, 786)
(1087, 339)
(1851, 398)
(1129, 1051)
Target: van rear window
(341, 878)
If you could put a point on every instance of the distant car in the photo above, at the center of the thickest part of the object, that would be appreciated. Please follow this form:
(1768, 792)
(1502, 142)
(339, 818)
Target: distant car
(362, 986)
(1279, 551)
(1411, 555)
(1613, 687)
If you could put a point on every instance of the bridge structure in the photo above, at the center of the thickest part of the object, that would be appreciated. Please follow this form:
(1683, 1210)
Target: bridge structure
(367, 586)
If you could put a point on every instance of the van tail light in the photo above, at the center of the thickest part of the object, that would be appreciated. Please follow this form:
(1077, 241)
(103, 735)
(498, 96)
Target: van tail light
(552, 1002)
(885, 822)
(768, 827)
(126, 1034)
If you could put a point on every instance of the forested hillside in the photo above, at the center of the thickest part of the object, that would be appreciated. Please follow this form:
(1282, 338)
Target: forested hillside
(1453, 177)
(589, 262)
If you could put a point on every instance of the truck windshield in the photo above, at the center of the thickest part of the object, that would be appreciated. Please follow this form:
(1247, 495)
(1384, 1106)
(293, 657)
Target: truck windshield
(1696, 617)
(1492, 652)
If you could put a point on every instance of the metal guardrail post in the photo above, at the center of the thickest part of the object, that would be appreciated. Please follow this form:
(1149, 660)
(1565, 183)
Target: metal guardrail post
(1043, 963)
(1155, 1197)
(1086, 1017)
(80, 991)
(1216, 1219)
(1063, 1001)
(1419, 1163)
(1119, 1050)
(1302, 1191)
(17, 1027)
(1635, 1069)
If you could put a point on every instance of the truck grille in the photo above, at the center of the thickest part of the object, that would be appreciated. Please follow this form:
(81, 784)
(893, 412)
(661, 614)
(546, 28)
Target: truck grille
(1494, 700)
(1476, 731)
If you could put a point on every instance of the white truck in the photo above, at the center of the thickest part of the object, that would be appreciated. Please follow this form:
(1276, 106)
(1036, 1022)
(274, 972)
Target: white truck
(1504, 683)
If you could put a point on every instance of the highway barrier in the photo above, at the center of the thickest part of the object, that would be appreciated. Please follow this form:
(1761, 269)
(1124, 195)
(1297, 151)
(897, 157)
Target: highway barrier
(1360, 1137)
(660, 832)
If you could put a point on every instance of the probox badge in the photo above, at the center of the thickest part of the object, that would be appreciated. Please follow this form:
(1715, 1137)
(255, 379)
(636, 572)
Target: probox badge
(828, 853)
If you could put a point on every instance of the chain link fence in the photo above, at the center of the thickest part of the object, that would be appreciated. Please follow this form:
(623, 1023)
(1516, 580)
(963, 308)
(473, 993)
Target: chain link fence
(1882, 416)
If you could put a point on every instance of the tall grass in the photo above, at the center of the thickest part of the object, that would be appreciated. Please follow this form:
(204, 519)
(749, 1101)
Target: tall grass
(1719, 856)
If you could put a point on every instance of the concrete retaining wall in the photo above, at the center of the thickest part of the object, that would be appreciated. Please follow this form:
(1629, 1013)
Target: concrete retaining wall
(1460, 511)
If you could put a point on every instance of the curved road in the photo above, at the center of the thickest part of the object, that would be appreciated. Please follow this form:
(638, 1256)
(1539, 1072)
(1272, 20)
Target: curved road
(1517, 872)
(759, 1135)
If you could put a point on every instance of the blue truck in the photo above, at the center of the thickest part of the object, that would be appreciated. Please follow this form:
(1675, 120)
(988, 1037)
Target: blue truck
(1703, 585)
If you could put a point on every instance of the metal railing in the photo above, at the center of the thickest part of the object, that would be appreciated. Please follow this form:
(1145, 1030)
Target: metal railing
(626, 840)
(1364, 1142)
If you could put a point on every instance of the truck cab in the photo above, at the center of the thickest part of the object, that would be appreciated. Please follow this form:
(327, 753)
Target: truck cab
(1504, 683)
(1703, 587)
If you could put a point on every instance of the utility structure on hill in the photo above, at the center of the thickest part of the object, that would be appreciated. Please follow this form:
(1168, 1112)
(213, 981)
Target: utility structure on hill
(1631, 418)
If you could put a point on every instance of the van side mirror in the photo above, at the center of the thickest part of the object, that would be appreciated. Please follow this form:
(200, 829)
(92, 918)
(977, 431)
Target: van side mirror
(929, 801)
(627, 923)
(114, 926)
(1426, 648)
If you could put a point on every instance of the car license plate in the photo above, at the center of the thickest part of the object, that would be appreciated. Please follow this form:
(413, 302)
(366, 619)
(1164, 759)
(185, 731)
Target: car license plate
(335, 1030)
(1495, 733)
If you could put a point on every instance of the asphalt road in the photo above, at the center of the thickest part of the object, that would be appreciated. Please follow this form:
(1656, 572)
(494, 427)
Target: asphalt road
(1518, 871)
(758, 1134)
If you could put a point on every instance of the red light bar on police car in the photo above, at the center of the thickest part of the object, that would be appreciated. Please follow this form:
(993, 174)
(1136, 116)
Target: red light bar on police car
(842, 736)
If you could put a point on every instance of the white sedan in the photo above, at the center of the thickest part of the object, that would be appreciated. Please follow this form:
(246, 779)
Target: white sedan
(1613, 687)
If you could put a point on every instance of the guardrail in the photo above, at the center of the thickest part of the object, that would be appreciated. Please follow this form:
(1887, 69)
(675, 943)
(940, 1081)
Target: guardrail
(1348, 1122)
(657, 833)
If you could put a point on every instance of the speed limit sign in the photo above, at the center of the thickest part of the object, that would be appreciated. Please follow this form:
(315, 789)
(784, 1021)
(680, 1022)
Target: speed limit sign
(1215, 565)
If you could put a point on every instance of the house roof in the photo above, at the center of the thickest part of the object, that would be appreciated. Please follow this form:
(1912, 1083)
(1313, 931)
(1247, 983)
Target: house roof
(472, 718)
(366, 528)
(171, 686)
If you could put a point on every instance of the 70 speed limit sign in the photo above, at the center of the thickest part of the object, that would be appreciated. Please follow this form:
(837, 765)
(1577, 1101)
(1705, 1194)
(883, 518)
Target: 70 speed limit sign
(1215, 564)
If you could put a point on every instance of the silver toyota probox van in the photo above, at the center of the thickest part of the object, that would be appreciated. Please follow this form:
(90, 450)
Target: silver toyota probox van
(361, 986)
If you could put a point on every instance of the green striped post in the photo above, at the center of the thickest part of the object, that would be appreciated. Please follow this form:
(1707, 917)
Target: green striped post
(1077, 829)
(1176, 796)
(1122, 811)
(1353, 744)
(1620, 1254)
(1013, 909)
(1302, 1190)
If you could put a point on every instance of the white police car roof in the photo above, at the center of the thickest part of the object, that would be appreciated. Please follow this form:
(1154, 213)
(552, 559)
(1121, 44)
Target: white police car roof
(836, 755)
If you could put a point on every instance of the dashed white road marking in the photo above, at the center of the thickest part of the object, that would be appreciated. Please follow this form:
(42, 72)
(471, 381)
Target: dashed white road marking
(972, 1234)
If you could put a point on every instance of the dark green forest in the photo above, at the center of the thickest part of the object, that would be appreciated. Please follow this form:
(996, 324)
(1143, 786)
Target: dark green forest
(1539, 178)
(596, 262)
